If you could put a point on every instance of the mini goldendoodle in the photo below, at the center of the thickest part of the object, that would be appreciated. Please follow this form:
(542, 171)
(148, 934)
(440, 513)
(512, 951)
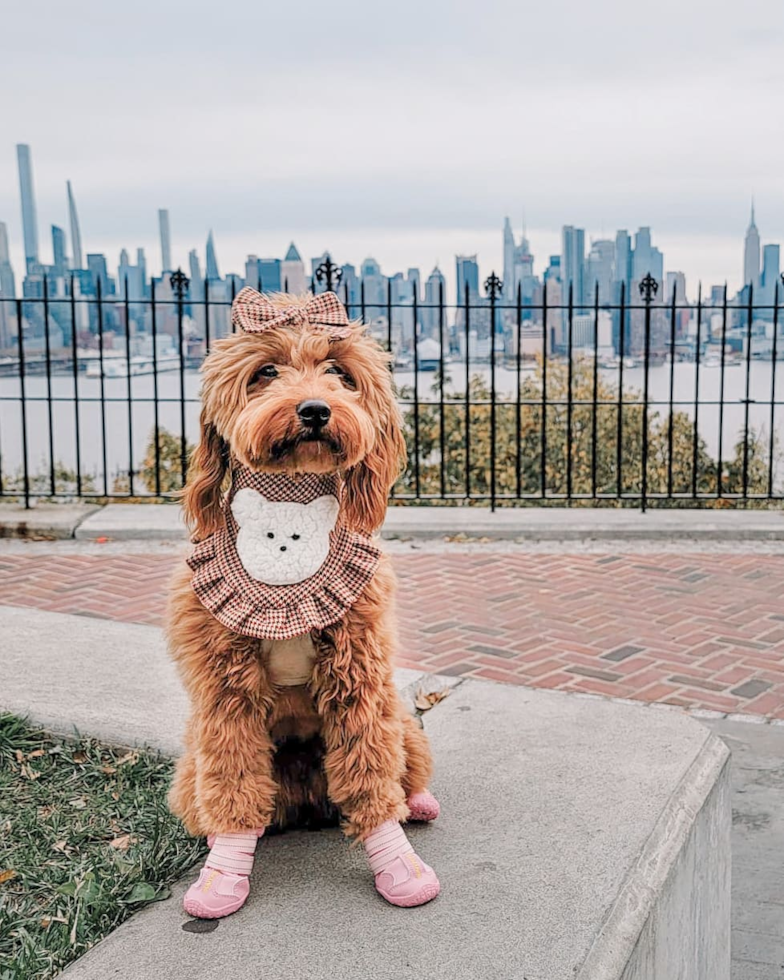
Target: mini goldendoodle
(282, 621)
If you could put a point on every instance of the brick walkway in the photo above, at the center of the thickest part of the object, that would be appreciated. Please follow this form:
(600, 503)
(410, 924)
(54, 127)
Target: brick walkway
(700, 630)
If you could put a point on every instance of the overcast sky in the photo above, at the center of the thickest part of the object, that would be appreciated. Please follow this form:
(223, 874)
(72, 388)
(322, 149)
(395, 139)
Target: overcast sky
(406, 130)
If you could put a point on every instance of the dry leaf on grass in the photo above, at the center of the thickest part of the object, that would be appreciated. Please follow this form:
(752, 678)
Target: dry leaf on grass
(123, 842)
(61, 846)
(424, 701)
(79, 757)
(6, 876)
(129, 759)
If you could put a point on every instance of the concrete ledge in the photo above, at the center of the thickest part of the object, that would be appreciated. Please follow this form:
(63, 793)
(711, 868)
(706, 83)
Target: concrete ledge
(44, 522)
(126, 521)
(108, 679)
(578, 838)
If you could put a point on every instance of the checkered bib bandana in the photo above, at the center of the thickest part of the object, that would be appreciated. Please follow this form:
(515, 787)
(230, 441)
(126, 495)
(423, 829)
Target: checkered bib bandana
(282, 563)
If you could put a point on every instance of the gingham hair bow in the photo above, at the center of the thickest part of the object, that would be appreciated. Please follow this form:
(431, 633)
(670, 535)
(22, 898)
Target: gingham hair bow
(252, 312)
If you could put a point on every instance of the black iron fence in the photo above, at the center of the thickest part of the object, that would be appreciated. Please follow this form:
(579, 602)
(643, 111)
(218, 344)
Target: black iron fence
(638, 399)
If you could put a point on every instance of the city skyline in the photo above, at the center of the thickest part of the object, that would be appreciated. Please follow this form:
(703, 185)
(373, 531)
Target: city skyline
(593, 266)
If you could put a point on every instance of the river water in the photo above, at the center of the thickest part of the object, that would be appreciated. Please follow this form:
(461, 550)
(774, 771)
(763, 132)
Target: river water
(142, 413)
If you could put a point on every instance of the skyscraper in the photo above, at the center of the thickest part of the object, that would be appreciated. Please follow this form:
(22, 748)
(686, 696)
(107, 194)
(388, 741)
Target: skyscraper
(599, 269)
(435, 292)
(646, 258)
(573, 263)
(29, 218)
(212, 259)
(58, 250)
(76, 238)
(467, 275)
(623, 259)
(770, 275)
(163, 224)
(509, 261)
(292, 272)
(751, 254)
(7, 291)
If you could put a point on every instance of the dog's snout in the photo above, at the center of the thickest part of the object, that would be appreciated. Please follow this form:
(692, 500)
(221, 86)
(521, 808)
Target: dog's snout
(314, 413)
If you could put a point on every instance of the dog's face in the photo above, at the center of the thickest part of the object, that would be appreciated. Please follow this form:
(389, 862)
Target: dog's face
(293, 400)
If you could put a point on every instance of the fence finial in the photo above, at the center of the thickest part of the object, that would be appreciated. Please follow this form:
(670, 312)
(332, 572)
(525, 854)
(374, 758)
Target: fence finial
(329, 271)
(493, 285)
(179, 283)
(649, 287)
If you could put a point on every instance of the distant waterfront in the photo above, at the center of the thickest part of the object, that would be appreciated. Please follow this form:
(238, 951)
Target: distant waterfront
(116, 411)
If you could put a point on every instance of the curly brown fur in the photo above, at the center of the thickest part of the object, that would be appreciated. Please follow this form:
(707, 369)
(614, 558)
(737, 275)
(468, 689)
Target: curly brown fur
(258, 755)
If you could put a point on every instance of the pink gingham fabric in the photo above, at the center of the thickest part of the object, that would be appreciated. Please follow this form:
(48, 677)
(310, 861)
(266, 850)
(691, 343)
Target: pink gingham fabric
(279, 612)
(252, 312)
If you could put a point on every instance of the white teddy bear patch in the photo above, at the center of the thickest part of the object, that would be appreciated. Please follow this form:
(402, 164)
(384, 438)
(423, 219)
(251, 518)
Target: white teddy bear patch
(281, 543)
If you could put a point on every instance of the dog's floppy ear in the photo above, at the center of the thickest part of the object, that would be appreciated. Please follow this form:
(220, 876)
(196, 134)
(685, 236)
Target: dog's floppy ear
(367, 484)
(201, 498)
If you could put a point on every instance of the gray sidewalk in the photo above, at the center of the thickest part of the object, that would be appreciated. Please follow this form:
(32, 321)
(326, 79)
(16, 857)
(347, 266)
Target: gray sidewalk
(570, 832)
(119, 522)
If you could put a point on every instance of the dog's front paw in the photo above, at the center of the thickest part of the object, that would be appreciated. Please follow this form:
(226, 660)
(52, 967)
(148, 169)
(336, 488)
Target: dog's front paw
(408, 881)
(216, 894)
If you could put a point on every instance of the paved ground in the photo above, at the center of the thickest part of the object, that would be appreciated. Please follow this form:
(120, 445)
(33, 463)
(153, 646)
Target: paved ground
(701, 630)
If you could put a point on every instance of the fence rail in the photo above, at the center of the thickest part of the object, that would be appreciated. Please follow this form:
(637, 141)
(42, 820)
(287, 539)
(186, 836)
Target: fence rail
(646, 400)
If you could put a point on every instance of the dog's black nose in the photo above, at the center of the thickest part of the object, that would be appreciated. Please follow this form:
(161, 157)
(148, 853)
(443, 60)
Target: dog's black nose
(314, 413)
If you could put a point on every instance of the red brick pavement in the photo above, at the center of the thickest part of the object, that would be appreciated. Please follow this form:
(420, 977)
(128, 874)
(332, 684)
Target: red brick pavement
(696, 630)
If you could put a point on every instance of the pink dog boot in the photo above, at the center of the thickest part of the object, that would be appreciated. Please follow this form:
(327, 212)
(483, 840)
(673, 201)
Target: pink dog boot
(423, 806)
(402, 877)
(223, 886)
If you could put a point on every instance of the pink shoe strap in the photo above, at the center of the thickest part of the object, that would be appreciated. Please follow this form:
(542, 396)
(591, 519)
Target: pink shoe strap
(233, 853)
(384, 844)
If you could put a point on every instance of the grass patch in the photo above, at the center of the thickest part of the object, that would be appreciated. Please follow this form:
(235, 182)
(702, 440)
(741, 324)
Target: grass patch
(85, 840)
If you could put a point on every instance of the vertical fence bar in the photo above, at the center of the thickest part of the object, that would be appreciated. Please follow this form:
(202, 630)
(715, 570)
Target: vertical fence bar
(49, 412)
(543, 420)
(362, 299)
(621, 357)
(389, 315)
(467, 392)
(345, 299)
(648, 289)
(518, 408)
(180, 284)
(99, 301)
(696, 436)
(233, 297)
(441, 413)
(206, 317)
(493, 284)
(417, 487)
(156, 421)
(23, 403)
(75, 357)
(747, 399)
(595, 387)
(569, 377)
(670, 417)
(774, 356)
(720, 461)
(129, 388)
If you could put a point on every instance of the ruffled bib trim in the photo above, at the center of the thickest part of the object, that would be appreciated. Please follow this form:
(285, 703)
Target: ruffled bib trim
(279, 612)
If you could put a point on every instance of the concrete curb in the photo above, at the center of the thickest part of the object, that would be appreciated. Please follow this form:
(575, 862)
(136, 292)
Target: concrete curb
(44, 522)
(615, 944)
(123, 522)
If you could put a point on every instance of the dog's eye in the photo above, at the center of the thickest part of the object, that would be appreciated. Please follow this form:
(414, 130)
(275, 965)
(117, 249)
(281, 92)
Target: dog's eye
(346, 378)
(268, 371)
(295, 537)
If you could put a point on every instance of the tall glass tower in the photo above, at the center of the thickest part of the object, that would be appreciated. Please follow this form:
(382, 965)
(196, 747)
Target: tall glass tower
(212, 259)
(29, 219)
(163, 223)
(76, 238)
